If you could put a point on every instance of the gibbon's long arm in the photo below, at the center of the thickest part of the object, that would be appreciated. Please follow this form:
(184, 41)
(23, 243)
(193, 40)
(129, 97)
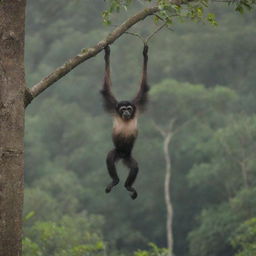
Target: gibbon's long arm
(109, 99)
(142, 96)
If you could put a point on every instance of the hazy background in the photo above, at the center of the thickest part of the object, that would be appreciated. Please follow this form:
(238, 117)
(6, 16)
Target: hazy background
(202, 76)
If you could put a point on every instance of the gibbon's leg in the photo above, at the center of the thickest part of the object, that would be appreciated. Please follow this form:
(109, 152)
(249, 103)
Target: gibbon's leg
(111, 160)
(131, 163)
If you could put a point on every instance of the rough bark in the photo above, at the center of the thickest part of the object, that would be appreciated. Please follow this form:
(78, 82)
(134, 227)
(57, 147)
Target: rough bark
(12, 85)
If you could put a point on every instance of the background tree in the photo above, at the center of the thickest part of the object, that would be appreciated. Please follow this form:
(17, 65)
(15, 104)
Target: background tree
(67, 236)
(187, 105)
(244, 238)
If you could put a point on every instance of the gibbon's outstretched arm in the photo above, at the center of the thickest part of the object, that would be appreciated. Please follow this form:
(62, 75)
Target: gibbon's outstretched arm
(108, 98)
(141, 98)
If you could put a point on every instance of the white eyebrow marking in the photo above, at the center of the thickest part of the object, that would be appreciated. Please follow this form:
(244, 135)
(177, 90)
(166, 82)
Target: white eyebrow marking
(123, 107)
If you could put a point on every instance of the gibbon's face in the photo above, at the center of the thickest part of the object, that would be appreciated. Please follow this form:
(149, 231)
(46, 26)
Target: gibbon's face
(125, 110)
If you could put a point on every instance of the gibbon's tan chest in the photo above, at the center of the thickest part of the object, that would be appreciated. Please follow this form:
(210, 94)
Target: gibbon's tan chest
(125, 128)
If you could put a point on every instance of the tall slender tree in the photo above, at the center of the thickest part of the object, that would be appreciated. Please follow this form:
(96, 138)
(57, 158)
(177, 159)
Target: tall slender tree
(179, 116)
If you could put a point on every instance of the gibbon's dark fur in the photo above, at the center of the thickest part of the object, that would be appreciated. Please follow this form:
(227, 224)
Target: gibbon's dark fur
(125, 114)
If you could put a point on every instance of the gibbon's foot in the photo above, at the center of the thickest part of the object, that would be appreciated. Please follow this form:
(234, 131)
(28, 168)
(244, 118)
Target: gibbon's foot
(108, 189)
(111, 185)
(133, 193)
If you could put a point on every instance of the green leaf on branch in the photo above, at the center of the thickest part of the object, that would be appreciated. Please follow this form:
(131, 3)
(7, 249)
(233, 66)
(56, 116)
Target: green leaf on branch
(114, 6)
(212, 20)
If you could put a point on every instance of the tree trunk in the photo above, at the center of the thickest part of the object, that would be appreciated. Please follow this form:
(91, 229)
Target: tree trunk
(168, 202)
(12, 87)
(167, 136)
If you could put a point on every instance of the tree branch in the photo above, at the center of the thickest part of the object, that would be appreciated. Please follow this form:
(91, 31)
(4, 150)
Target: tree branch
(136, 35)
(89, 52)
(162, 131)
(145, 40)
(155, 32)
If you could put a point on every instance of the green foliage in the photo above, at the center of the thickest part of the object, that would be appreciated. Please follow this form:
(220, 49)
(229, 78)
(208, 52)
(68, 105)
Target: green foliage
(193, 11)
(30, 248)
(75, 236)
(114, 6)
(211, 237)
(183, 102)
(221, 224)
(243, 5)
(244, 238)
(231, 164)
(153, 251)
